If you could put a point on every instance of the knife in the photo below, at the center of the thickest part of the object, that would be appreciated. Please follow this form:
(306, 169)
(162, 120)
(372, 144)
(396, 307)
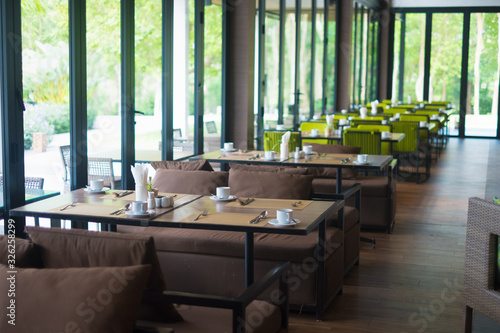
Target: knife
(258, 217)
(119, 195)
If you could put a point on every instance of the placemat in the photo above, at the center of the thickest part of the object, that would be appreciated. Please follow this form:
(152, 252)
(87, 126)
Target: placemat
(131, 197)
(226, 219)
(272, 204)
(86, 209)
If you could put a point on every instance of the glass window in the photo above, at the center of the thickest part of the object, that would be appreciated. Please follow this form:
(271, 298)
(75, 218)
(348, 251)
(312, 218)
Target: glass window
(183, 78)
(330, 61)
(103, 81)
(45, 65)
(305, 44)
(213, 77)
(414, 57)
(148, 79)
(484, 71)
(319, 41)
(397, 53)
(289, 65)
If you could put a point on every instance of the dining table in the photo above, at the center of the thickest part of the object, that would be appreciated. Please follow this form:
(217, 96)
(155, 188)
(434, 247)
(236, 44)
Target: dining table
(193, 212)
(338, 161)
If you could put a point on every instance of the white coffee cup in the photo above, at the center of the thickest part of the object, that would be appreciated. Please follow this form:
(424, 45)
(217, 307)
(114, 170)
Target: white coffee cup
(158, 201)
(392, 119)
(139, 207)
(423, 124)
(308, 149)
(269, 155)
(386, 134)
(362, 158)
(228, 146)
(435, 116)
(398, 115)
(167, 201)
(342, 121)
(96, 184)
(280, 127)
(284, 216)
(384, 122)
(343, 111)
(314, 132)
(223, 192)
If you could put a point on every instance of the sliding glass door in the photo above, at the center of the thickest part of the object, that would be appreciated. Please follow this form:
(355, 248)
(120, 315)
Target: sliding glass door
(481, 116)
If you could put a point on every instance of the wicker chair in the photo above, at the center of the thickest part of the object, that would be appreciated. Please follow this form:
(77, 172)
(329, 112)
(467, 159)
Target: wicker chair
(29, 182)
(481, 292)
(102, 168)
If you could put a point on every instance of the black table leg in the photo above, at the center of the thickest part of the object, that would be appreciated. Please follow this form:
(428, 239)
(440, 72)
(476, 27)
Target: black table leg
(339, 180)
(249, 264)
(320, 274)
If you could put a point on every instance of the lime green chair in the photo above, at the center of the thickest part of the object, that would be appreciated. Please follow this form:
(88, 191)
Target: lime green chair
(424, 133)
(272, 140)
(409, 151)
(307, 126)
(370, 142)
(357, 122)
(377, 117)
(340, 116)
(385, 146)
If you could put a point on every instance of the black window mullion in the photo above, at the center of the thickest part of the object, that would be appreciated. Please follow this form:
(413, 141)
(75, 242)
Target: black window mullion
(325, 58)
(464, 75)
(281, 62)
(402, 57)
(12, 112)
(427, 64)
(354, 49)
(261, 73)
(313, 55)
(78, 94)
(361, 47)
(199, 38)
(372, 95)
(167, 148)
(367, 44)
(127, 91)
(298, 4)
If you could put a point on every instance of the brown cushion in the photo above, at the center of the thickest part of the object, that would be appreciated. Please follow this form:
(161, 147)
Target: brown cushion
(279, 185)
(269, 168)
(25, 253)
(189, 182)
(277, 247)
(96, 299)
(61, 248)
(183, 165)
(333, 149)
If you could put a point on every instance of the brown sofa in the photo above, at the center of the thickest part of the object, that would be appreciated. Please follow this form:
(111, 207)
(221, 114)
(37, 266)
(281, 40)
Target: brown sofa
(215, 259)
(103, 282)
(378, 192)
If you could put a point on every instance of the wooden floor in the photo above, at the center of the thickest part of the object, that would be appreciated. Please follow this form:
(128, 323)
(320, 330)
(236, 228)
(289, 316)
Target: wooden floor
(413, 280)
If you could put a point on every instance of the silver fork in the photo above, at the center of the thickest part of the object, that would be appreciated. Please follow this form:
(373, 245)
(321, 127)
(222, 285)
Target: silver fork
(204, 213)
(295, 204)
(73, 204)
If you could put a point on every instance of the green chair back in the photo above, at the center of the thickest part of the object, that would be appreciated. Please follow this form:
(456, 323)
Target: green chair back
(385, 146)
(307, 126)
(414, 117)
(340, 116)
(272, 140)
(377, 117)
(358, 122)
(369, 141)
(412, 136)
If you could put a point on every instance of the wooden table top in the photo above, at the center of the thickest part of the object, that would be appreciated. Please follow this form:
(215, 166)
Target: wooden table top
(222, 215)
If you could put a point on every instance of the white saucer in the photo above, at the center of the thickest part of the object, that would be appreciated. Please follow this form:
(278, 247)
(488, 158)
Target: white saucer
(360, 163)
(131, 213)
(230, 198)
(311, 153)
(313, 136)
(228, 150)
(103, 190)
(269, 159)
(276, 223)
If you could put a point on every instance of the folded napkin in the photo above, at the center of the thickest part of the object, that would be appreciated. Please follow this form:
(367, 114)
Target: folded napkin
(362, 112)
(285, 138)
(284, 145)
(329, 120)
(140, 173)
